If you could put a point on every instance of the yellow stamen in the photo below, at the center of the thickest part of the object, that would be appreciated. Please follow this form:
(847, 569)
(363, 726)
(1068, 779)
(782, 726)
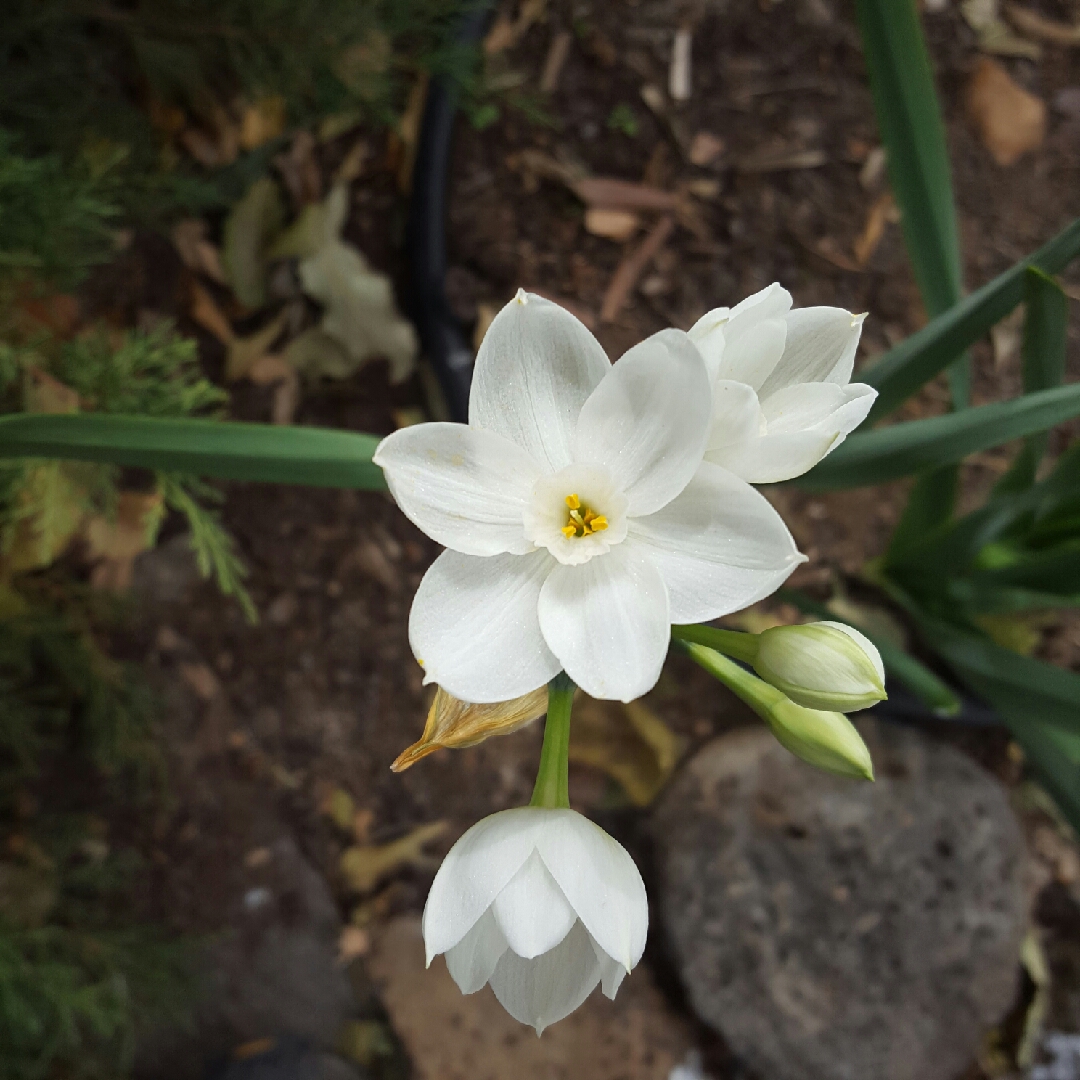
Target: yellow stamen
(569, 531)
(599, 523)
(573, 501)
(582, 521)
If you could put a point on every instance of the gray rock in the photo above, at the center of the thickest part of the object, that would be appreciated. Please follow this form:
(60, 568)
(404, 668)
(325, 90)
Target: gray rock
(837, 930)
(164, 574)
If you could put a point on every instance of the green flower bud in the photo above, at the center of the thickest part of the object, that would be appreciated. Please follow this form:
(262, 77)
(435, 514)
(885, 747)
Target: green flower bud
(822, 665)
(827, 740)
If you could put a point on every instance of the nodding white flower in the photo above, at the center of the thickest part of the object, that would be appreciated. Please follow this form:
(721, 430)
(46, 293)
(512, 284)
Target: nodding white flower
(782, 395)
(542, 904)
(579, 518)
(822, 665)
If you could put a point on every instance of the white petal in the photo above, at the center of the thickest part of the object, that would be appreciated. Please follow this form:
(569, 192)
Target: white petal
(601, 882)
(754, 336)
(787, 450)
(464, 487)
(864, 643)
(708, 335)
(612, 972)
(542, 991)
(607, 622)
(476, 869)
(532, 912)
(821, 344)
(736, 416)
(535, 368)
(472, 960)
(720, 546)
(648, 421)
(474, 626)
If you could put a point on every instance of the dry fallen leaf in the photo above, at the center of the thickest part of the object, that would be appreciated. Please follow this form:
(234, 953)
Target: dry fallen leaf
(629, 742)
(114, 542)
(994, 34)
(205, 311)
(243, 352)
(1010, 120)
(252, 225)
(44, 394)
(611, 224)
(611, 194)
(454, 723)
(262, 121)
(300, 171)
(364, 867)
(359, 310)
(195, 250)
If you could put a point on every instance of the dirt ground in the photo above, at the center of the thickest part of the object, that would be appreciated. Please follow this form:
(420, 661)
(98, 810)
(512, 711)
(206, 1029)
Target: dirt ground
(323, 693)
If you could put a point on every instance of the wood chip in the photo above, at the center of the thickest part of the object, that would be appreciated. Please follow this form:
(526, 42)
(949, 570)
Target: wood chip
(614, 194)
(195, 250)
(780, 159)
(679, 82)
(632, 267)
(874, 229)
(612, 224)
(205, 311)
(1038, 26)
(558, 51)
(1010, 120)
(705, 149)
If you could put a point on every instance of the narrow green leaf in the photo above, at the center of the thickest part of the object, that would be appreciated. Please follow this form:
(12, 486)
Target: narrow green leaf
(1053, 571)
(916, 676)
(929, 508)
(912, 130)
(319, 457)
(915, 361)
(902, 449)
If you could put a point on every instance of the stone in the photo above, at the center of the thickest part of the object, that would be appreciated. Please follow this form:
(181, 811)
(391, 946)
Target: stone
(449, 1036)
(832, 929)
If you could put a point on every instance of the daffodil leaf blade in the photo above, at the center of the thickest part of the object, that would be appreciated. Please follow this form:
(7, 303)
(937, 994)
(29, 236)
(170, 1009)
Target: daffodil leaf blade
(912, 129)
(901, 371)
(319, 457)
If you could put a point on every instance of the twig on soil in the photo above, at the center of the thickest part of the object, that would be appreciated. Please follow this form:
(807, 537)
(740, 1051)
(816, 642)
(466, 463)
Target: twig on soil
(631, 268)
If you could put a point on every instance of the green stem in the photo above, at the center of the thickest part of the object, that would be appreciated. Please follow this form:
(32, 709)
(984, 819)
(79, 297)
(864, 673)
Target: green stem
(734, 643)
(552, 787)
(757, 693)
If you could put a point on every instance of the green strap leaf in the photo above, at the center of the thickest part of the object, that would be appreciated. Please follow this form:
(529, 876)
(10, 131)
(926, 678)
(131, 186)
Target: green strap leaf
(901, 371)
(903, 449)
(319, 457)
(912, 130)
(1046, 332)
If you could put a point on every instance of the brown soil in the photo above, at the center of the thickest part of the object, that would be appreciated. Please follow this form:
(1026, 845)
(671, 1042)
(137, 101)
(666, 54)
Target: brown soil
(324, 693)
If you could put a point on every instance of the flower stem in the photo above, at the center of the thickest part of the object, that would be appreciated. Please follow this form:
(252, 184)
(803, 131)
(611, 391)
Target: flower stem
(758, 694)
(552, 787)
(734, 643)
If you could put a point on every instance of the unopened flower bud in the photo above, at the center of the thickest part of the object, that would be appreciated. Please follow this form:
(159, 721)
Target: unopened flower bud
(822, 665)
(827, 740)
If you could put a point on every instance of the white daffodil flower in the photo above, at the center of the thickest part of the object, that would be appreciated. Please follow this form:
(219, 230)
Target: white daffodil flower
(579, 518)
(782, 395)
(542, 904)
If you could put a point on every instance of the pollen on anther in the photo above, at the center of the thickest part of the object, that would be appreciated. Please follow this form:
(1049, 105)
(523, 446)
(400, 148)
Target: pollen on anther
(569, 530)
(598, 523)
(573, 501)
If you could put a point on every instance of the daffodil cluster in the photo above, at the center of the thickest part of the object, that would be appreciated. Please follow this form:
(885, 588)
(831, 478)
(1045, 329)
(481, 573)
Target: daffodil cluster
(585, 508)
